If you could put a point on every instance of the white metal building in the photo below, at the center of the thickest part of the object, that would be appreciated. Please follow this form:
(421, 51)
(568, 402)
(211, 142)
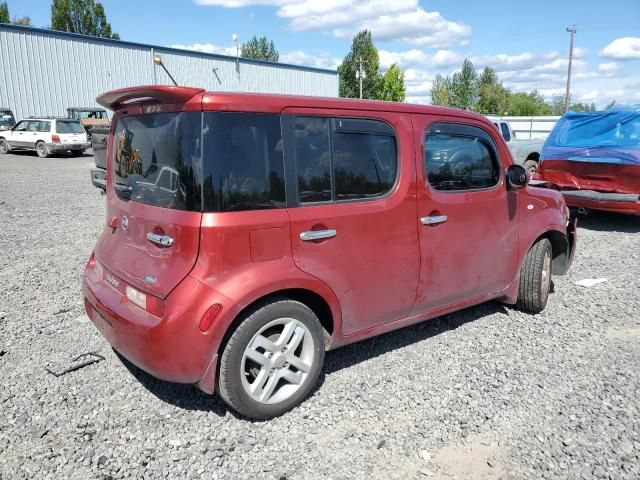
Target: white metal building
(44, 71)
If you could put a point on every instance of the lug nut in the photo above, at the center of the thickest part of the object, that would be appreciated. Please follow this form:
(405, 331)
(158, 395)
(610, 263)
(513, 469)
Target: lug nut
(284, 349)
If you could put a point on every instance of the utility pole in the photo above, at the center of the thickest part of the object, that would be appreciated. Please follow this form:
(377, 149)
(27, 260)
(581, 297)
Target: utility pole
(572, 31)
(360, 74)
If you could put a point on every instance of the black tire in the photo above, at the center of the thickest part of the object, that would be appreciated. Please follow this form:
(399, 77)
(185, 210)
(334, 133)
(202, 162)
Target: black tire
(531, 166)
(42, 150)
(535, 278)
(230, 371)
(4, 146)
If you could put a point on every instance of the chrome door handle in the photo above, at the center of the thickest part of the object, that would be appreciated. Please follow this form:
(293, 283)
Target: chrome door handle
(434, 220)
(312, 235)
(161, 240)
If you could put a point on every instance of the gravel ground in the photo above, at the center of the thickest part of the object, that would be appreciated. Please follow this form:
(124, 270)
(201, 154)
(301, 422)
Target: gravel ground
(484, 393)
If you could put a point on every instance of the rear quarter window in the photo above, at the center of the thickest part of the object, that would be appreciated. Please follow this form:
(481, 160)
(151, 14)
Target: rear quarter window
(242, 162)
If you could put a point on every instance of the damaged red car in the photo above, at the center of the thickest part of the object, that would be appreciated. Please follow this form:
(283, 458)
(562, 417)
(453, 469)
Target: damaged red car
(594, 159)
(247, 234)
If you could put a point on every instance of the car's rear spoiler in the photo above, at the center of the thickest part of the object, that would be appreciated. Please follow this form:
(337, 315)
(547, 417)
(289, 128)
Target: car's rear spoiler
(117, 99)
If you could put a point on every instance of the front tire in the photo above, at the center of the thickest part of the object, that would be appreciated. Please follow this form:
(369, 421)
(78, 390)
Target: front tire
(4, 146)
(535, 278)
(272, 360)
(42, 150)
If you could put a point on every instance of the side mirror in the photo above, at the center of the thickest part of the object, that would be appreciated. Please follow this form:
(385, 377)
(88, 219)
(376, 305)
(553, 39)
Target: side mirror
(517, 176)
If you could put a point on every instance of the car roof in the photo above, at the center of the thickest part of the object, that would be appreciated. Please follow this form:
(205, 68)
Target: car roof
(261, 102)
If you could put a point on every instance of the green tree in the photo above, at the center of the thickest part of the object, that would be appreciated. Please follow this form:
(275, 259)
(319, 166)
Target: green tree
(528, 103)
(260, 49)
(392, 85)
(557, 105)
(441, 91)
(582, 107)
(362, 49)
(493, 96)
(81, 16)
(4, 13)
(465, 86)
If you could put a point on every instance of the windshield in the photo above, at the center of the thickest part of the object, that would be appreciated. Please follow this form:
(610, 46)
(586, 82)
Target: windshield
(6, 119)
(69, 127)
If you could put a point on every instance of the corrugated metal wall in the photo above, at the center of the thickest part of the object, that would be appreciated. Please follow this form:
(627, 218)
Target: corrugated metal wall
(43, 72)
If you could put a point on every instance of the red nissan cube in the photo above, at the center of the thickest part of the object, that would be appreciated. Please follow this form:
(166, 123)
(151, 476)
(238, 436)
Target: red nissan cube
(248, 234)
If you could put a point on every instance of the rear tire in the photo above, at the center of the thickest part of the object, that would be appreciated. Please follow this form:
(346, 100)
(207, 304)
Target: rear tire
(535, 278)
(4, 146)
(42, 150)
(272, 360)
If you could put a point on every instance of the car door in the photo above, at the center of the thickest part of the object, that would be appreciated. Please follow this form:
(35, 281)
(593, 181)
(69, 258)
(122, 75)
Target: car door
(468, 224)
(352, 210)
(17, 137)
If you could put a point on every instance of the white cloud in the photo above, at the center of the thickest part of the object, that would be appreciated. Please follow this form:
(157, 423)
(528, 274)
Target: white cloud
(403, 20)
(207, 48)
(609, 67)
(415, 57)
(320, 60)
(625, 48)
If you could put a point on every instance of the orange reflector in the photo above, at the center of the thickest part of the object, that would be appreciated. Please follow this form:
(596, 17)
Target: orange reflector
(209, 317)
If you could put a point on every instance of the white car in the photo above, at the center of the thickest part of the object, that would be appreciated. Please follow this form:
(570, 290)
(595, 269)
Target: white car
(45, 136)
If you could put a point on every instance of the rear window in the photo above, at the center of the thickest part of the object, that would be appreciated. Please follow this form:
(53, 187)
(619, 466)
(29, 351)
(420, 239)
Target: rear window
(157, 159)
(69, 127)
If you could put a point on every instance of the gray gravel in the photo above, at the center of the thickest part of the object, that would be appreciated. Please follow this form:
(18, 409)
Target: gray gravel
(485, 393)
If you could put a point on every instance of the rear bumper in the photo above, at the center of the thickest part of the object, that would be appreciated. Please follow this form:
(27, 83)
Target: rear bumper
(56, 147)
(606, 201)
(171, 348)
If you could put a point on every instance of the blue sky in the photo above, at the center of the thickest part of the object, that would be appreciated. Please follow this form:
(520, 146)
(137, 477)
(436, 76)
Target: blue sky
(526, 42)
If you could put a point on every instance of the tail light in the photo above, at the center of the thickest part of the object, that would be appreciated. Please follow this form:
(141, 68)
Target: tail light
(92, 261)
(209, 317)
(55, 138)
(149, 303)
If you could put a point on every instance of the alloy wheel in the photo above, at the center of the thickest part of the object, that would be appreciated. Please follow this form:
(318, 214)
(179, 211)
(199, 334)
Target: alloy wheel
(277, 361)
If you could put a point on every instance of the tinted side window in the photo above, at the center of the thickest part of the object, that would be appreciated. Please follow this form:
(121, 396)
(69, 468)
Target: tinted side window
(505, 132)
(457, 162)
(364, 162)
(313, 158)
(343, 158)
(242, 162)
(44, 126)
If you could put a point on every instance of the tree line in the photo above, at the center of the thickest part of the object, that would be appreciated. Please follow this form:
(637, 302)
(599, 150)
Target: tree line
(484, 93)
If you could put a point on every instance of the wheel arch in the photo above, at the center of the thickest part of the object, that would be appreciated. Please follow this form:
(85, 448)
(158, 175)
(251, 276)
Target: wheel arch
(560, 250)
(306, 296)
(533, 156)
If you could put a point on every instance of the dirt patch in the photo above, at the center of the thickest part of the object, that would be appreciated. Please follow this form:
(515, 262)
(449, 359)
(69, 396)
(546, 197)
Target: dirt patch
(628, 333)
(478, 459)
